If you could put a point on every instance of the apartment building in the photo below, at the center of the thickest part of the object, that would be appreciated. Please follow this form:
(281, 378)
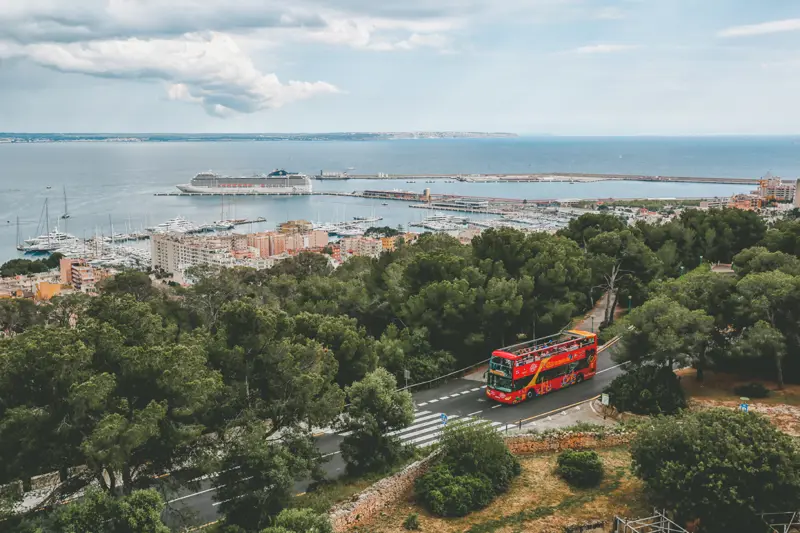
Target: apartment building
(364, 246)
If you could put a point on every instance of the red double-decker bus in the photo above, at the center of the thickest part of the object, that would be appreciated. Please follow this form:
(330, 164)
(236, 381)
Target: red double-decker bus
(536, 367)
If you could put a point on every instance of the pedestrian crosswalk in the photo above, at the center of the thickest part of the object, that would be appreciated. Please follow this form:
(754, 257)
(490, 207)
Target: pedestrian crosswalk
(426, 429)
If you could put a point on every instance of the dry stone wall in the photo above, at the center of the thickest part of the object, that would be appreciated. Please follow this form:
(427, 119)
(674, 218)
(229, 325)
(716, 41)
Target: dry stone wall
(364, 508)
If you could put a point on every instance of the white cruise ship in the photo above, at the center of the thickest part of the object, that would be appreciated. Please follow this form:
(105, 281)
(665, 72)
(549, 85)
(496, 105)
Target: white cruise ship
(276, 182)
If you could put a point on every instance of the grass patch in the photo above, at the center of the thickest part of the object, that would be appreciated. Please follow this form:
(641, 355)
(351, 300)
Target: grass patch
(538, 501)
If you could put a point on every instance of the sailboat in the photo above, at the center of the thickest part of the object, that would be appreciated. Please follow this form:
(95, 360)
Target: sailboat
(66, 211)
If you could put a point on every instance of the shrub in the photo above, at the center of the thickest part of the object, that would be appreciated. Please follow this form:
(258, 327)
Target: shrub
(580, 469)
(752, 390)
(647, 390)
(411, 523)
(475, 466)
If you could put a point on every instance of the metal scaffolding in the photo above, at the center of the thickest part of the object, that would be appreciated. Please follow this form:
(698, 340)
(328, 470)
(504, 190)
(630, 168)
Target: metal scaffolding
(788, 522)
(658, 523)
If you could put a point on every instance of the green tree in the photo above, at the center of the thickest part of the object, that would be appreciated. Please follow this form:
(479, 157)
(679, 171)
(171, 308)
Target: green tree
(19, 314)
(99, 512)
(300, 521)
(621, 262)
(763, 341)
(759, 259)
(719, 466)
(663, 332)
(586, 227)
(376, 409)
(256, 476)
(784, 237)
(137, 284)
(303, 265)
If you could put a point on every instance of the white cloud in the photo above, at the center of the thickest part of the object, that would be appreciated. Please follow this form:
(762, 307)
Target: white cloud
(776, 26)
(207, 69)
(603, 48)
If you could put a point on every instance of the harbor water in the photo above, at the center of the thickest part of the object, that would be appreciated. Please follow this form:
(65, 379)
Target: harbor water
(115, 183)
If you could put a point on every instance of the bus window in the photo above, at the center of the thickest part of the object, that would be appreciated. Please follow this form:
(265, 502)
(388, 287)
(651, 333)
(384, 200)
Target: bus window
(520, 384)
(500, 383)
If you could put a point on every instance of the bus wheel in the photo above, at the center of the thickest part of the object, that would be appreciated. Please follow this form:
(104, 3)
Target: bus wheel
(579, 378)
(530, 394)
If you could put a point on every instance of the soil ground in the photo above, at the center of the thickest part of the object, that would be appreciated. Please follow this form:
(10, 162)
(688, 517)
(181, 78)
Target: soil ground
(782, 407)
(538, 502)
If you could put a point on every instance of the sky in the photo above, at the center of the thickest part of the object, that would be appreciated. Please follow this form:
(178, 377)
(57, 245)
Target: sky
(560, 67)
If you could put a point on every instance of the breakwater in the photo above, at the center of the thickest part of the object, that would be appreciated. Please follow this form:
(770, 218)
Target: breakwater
(559, 177)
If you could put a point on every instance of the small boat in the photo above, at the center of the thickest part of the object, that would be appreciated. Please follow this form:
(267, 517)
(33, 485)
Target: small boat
(385, 203)
(49, 187)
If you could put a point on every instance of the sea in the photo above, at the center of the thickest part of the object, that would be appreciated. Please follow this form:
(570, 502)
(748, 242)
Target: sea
(105, 184)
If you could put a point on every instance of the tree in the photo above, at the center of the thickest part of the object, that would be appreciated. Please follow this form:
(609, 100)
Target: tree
(100, 512)
(784, 237)
(349, 342)
(773, 297)
(762, 340)
(303, 265)
(586, 227)
(621, 261)
(759, 259)
(663, 332)
(376, 409)
(719, 466)
(300, 521)
(647, 390)
(256, 476)
(19, 314)
(406, 349)
(137, 284)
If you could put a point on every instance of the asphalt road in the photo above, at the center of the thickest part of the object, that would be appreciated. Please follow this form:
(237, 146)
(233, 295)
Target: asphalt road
(458, 399)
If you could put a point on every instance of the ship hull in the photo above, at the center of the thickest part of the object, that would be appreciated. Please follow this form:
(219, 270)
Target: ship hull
(266, 191)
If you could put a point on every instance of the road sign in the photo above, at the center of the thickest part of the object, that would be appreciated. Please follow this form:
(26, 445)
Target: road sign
(745, 403)
(604, 399)
(444, 419)
(407, 374)
(743, 407)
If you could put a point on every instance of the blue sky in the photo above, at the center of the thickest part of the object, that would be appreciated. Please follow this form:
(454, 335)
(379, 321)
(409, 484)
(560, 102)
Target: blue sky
(564, 67)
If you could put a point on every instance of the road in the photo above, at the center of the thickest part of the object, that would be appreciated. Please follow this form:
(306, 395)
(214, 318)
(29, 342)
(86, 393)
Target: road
(458, 399)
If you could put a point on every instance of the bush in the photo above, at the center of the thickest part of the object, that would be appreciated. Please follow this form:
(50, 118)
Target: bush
(580, 469)
(647, 390)
(752, 390)
(411, 523)
(475, 466)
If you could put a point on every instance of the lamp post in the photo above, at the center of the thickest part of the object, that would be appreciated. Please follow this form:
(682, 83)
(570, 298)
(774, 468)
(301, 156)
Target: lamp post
(592, 323)
(629, 303)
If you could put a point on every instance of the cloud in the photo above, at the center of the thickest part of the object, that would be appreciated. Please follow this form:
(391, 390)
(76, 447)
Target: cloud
(776, 26)
(204, 68)
(603, 48)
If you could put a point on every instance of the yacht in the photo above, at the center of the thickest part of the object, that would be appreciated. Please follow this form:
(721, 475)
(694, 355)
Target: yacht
(175, 225)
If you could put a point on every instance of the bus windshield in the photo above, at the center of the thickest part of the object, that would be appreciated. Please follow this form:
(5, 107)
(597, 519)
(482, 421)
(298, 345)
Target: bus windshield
(499, 383)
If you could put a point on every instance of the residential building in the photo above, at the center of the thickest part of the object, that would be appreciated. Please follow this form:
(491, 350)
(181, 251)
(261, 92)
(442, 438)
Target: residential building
(797, 194)
(79, 274)
(46, 290)
(770, 188)
(295, 226)
(174, 253)
(364, 246)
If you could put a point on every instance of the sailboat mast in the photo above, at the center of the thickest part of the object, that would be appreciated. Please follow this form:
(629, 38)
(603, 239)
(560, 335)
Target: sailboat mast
(66, 211)
(47, 221)
(18, 243)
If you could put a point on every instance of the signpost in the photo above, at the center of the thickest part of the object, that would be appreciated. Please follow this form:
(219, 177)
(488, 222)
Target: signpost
(604, 399)
(407, 375)
(745, 404)
(444, 419)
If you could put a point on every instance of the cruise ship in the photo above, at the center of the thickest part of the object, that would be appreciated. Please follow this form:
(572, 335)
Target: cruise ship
(276, 182)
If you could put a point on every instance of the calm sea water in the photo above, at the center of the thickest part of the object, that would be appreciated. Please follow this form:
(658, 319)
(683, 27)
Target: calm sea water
(110, 183)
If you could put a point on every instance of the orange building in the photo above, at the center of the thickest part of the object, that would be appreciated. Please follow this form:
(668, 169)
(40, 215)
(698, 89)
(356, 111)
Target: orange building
(46, 290)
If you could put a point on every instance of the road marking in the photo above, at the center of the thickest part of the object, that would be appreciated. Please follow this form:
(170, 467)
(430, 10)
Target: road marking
(475, 389)
(195, 494)
(475, 413)
(611, 368)
(198, 528)
(444, 397)
(423, 404)
(423, 431)
(455, 395)
(432, 401)
(496, 406)
(332, 453)
(466, 392)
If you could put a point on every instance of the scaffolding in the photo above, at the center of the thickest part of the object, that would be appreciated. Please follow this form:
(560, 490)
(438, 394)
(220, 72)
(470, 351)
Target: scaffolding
(658, 523)
(788, 522)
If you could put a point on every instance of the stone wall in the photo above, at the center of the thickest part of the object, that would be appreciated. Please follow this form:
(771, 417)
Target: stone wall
(365, 507)
(558, 441)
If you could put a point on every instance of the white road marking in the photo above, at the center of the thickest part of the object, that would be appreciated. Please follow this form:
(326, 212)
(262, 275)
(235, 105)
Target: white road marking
(475, 413)
(466, 392)
(611, 368)
(195, 494)
(423, 404)
(332, 453)
(432, 401)
(496, 406)
(455, 395)
(444, 397)
(475, 389)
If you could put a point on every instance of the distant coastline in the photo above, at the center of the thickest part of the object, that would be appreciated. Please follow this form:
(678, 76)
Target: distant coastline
(14, 138)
